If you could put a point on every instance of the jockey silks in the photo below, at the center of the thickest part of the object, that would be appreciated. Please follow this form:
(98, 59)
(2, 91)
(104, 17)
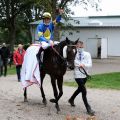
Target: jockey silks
(45, 32)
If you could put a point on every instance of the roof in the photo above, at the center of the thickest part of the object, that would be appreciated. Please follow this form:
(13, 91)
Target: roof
(91, 21)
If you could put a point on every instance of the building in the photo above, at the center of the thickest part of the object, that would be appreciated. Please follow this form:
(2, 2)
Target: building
(101, 34)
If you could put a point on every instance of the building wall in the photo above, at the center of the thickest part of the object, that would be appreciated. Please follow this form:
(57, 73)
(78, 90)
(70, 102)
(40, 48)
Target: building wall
(87, 35)
(112, 35)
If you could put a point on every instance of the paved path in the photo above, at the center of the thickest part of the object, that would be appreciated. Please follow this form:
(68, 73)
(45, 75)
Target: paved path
(106, 65)
(106, 103)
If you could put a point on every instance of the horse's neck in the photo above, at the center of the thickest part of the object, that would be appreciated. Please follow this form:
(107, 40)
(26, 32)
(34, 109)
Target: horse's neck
(62, 44)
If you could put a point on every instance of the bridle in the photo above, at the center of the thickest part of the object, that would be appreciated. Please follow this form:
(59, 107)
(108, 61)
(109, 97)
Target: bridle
(59, 53)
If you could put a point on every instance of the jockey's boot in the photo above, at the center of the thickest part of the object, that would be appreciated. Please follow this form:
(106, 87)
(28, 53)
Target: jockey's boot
(39, 55)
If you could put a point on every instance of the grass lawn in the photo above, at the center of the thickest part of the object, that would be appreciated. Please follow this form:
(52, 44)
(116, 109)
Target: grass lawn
(102, 81)
(12, 70)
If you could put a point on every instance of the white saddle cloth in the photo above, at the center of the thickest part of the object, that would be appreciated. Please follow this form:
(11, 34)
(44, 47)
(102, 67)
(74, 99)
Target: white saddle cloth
(30, 73)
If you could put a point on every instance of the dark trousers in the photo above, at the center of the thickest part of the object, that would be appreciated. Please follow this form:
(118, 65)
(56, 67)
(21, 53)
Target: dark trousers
(81, 88)
(4, 68)
(18, 70)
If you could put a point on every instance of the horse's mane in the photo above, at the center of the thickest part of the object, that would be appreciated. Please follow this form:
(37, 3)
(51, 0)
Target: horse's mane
(55, 54)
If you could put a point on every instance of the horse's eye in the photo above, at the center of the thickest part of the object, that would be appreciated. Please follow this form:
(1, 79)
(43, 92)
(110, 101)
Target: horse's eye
(74, 50)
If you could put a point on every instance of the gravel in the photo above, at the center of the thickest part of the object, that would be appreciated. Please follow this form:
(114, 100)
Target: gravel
(106, 103)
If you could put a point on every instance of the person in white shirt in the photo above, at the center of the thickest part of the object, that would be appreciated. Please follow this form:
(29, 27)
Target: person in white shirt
(82, 61)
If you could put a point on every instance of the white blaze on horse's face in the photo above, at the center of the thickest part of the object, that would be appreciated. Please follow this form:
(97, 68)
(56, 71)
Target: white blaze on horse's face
(74, 50)
(65, 52)
(69, 54)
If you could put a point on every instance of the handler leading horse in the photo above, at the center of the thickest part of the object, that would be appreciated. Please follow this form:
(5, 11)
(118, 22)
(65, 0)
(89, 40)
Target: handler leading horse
(55, 62)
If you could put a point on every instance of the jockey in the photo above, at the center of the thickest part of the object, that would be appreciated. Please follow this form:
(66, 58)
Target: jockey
(45, 31)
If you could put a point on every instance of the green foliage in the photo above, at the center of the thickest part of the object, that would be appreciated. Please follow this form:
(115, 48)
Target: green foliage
(3, 35)
(102, 81)
(15, 16)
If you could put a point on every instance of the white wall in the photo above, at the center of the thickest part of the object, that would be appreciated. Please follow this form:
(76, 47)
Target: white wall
(111, 34)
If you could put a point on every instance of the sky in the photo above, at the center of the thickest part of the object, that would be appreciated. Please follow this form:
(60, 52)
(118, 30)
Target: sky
(109, 7)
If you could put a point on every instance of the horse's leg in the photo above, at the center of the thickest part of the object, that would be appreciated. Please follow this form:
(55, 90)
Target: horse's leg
(53, 82)
(25, 95)
(60, 87)
(41, 88)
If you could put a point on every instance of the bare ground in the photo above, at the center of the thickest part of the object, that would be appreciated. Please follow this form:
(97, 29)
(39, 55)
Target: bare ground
(106, 103)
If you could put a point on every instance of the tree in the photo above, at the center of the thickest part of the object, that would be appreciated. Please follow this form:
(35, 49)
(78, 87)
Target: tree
(15, 15)
(9, 10)
(54, 5)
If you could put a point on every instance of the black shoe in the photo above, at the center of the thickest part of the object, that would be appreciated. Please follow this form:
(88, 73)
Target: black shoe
(18, 80)
(90, 111)
(5, 75)
(71, 102)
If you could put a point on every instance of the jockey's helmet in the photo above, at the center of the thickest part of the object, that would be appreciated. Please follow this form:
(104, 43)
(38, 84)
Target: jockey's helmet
(46, 15)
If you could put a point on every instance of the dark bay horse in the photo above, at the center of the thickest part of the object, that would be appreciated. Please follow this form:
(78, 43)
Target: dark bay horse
(55, 62)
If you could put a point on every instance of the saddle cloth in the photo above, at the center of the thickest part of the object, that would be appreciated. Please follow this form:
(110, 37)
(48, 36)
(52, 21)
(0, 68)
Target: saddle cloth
(30, 73)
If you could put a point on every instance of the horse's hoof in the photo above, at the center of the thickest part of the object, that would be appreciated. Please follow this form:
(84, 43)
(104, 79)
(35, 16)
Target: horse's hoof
(53, 100)
(44, 102)
(58, 109)
(25, 100)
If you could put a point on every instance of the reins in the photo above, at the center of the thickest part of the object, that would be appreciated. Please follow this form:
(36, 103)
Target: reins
(58, 53)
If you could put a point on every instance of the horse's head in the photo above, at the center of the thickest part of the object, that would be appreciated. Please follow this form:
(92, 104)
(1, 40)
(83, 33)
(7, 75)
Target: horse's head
(69, 52)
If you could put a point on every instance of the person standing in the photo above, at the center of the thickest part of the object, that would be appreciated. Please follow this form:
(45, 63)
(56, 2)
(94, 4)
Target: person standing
(5, 53)
(1, 63)
(18, 57)
(82, 62)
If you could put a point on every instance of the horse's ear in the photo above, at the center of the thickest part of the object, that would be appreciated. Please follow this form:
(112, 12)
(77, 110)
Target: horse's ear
(67, 40)
(76, 41)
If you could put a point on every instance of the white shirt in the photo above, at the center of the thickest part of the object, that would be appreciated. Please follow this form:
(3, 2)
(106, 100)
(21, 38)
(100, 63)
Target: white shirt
(86, 60)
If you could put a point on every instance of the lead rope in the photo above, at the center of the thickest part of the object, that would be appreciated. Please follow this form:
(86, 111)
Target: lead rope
(85, 73)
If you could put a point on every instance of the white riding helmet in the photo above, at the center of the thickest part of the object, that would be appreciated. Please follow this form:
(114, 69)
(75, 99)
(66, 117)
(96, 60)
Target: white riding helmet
(46, 15)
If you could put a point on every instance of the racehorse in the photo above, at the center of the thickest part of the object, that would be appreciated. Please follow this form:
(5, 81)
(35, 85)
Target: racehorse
(55, 63)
